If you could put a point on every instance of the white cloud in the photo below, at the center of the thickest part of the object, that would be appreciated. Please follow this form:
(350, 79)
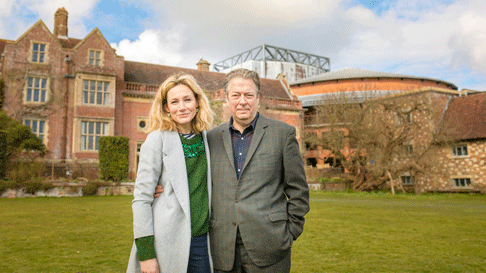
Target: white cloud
(424, 40)
(15, 14)
(153, 47)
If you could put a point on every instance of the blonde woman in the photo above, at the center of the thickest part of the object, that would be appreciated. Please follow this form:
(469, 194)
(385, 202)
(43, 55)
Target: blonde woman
(171, 232)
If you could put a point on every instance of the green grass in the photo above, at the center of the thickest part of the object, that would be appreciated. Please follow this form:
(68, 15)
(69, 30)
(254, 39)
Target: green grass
(343, 233)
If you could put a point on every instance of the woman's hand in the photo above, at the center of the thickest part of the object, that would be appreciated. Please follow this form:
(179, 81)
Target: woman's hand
(149, 266)
(158, 190)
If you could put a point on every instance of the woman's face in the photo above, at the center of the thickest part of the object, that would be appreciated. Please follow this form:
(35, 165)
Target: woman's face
(182, 105)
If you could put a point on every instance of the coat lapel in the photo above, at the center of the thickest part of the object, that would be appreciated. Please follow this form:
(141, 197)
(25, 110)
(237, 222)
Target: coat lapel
(261, 125)
(176, 168)
(228, 145)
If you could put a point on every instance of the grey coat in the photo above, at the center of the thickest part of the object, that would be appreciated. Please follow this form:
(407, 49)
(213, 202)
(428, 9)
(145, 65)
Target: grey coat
(267, 203)
(168, 218)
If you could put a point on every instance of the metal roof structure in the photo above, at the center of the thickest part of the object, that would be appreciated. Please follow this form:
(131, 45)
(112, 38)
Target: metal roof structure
(272, 53)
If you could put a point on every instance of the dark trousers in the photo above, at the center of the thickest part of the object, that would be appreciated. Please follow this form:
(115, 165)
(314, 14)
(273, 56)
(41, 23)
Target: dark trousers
(199, 255)
(244, 264)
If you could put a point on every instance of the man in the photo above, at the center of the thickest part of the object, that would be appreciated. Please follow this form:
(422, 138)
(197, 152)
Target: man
(260, 193)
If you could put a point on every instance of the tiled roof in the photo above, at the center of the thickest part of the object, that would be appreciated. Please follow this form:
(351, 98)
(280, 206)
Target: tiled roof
(154, 74)
(464, 118)
(356, 73)
(69, 43)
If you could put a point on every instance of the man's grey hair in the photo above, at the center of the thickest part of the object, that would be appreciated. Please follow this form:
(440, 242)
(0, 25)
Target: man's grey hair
(242, 73)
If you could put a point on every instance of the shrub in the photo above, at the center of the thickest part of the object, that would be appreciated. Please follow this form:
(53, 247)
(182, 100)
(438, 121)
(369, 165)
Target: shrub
(21, 171)
(113, 158)
(91, 188)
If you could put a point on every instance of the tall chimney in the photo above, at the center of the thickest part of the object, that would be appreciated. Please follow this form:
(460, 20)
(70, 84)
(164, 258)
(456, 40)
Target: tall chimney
(61, 23)
(203, 65)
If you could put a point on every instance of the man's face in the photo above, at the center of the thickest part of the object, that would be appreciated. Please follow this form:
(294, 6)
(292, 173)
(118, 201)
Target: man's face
(242, 101)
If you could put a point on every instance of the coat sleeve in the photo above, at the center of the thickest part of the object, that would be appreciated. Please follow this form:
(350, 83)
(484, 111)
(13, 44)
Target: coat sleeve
(148, 175)
(296, 187)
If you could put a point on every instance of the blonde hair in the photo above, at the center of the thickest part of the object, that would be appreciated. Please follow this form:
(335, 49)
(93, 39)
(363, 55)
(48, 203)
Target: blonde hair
(158, 119)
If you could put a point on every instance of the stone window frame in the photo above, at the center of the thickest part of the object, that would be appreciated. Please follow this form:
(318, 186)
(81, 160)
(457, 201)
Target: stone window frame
(76, 137)
(407, 149)
(459, 150)
(32, 51)
(46, 89)
(78, 87)
(96, 92)
(94, 58)
(104, 130)
(466, 180)
(29, 121)
(406, 180)
(139, 121)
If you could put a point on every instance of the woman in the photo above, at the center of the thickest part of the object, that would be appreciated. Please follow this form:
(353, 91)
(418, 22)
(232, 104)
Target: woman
(171, 232)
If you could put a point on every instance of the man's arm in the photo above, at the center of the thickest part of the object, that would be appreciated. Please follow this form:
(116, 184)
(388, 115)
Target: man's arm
(296, 187)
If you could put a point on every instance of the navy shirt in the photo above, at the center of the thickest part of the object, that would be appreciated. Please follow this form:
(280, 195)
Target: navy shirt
(241, 143)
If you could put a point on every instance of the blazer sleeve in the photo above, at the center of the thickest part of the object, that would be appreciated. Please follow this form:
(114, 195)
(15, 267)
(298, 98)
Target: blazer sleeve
(296, 187)
(148, 175)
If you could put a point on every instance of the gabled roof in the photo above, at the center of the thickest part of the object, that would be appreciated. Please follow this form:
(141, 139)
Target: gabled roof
(69, 42)
(356, 73)
(464, 118)
(2, 45)
(154, 74)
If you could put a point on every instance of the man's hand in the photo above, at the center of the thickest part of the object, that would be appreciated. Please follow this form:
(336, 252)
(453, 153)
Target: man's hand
(158, 190)
(149, 266)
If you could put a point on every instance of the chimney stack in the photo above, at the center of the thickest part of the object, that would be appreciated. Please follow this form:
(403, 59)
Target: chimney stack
(203, 65)
(61, 23)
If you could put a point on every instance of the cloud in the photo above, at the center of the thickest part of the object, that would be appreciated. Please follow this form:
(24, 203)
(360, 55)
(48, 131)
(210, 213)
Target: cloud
(434, 39)
(469, 43)
(17, 16)
(153, 47)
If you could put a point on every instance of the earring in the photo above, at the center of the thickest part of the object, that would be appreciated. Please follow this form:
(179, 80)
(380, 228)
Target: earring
(168, 115)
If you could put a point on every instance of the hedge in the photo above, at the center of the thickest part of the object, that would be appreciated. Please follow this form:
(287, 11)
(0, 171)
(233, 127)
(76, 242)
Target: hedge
(113, 158)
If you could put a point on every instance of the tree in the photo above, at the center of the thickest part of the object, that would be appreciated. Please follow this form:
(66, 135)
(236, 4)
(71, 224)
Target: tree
(2, 93)
(19, 138)
(379, 139)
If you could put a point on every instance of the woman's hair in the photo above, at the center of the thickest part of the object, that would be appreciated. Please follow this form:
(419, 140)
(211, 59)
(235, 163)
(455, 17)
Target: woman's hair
(158, 119)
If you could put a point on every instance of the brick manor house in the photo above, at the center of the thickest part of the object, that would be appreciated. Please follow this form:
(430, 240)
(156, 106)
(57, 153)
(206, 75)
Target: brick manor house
(70, 92)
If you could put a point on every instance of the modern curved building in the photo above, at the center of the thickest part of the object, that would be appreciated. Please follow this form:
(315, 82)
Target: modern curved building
(359, 84)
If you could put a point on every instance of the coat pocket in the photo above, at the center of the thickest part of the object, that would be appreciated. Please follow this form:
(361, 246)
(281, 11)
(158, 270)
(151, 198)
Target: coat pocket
(280, 216)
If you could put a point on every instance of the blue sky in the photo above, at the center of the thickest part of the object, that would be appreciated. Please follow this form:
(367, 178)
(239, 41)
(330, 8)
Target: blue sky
(440, 39)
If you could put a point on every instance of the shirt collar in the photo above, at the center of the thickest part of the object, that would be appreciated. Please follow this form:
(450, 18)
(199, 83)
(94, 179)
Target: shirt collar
(252, 124)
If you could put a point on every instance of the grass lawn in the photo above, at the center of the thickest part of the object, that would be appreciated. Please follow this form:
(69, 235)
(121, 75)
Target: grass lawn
(343, 233)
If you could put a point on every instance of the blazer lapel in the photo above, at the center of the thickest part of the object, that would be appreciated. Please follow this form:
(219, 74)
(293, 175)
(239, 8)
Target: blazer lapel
(228, 145)
(261, 125)
(176, 168)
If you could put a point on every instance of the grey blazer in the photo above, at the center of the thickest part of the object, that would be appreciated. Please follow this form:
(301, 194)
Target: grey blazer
(168, 218)
(267, 203)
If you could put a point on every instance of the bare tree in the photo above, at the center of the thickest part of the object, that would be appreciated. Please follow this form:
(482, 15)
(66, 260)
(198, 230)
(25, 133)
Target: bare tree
(377, 139)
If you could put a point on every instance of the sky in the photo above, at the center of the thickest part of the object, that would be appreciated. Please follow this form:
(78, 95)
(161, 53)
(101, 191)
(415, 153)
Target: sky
(439, 39)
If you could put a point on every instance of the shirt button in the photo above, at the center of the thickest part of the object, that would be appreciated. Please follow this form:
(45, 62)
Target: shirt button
(234, 224)
(242, 138)
(240, 153)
